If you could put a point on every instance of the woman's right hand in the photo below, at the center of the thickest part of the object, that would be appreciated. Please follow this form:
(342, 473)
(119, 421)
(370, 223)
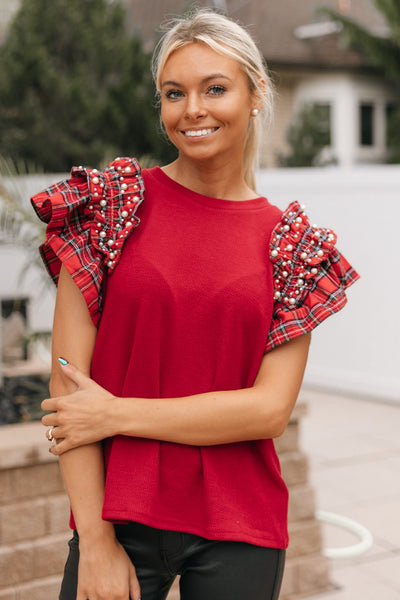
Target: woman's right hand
(106, 572)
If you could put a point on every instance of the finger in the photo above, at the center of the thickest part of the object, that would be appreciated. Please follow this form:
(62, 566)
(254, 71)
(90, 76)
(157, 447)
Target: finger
(73, 373)
(81, 595)
(134, 586)
(53, 433)
(51, 419)
(49, 404)
(60, 447)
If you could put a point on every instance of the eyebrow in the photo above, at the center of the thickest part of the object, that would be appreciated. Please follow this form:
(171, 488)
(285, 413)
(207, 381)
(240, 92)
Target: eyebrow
(205, 80)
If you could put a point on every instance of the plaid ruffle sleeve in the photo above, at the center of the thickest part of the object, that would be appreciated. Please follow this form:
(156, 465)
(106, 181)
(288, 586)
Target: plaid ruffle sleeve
(89, 217)
(310, 276)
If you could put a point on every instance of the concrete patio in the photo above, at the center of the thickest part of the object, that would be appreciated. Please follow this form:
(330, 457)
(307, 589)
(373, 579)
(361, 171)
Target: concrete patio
(354, 450)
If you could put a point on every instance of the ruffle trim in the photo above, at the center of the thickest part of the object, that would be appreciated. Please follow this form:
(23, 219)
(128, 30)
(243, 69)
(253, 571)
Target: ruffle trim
(310, 276)
(90, 216)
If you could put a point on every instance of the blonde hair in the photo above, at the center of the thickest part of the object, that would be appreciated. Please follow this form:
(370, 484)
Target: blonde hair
(228, 38)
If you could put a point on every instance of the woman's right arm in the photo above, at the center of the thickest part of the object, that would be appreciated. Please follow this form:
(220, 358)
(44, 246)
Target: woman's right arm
(105, 570)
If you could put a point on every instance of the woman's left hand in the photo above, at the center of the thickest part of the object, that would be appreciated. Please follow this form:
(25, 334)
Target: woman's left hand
(79, 418)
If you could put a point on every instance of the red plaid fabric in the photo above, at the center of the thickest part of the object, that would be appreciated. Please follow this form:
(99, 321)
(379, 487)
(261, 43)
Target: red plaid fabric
(310, 276)
(89, 218)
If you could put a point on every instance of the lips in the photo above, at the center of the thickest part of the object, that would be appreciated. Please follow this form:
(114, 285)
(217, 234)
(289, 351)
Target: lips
(199, 132)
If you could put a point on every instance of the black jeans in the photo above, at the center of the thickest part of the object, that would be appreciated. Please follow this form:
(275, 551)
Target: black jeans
(209, 570)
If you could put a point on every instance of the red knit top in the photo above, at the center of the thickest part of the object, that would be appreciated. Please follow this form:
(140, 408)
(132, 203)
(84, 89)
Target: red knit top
(190, 305)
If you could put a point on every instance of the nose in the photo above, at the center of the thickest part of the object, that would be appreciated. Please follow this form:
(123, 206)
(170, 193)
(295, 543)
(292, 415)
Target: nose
(195, 108)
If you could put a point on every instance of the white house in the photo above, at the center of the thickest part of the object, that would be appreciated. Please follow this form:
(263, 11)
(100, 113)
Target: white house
(309, 63)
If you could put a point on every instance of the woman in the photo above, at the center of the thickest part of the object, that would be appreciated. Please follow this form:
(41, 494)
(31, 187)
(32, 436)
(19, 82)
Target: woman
(181, 348)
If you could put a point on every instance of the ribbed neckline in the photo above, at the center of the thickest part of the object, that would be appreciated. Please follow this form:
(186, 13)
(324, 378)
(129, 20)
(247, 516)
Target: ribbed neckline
(220, 203)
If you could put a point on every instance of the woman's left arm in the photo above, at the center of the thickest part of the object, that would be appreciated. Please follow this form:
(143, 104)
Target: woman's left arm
(261, 411)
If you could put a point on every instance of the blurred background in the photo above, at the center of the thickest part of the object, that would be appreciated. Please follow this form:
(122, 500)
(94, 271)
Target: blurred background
(76, 88)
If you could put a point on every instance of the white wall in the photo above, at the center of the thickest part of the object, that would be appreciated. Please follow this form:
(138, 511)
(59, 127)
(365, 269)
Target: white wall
(357, 350)
(35, 284)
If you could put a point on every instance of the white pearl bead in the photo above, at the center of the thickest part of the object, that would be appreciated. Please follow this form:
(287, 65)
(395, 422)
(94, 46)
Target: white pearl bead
(124, 214)
(95, 180)
(320, 253)
(314, 270)
(102, 234)
(286, 228)
(289, 248)
(274, 253)
(292, 301)
(277, 295)
(110, 242)
(103, 203)
(124, 186)
(303, 255)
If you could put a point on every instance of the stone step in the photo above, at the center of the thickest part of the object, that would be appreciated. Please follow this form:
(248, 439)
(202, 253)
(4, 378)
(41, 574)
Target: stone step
(23, 562)
(46, 587)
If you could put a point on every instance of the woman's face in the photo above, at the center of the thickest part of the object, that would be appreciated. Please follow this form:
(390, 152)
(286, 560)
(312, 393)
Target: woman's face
(206, 103)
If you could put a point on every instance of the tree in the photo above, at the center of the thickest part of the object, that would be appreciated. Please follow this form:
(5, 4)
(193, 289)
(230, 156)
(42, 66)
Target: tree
(383, 52)
(307, 136)
(74, 86)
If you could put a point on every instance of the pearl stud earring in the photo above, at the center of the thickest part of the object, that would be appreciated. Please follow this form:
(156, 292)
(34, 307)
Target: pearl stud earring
(254, 112)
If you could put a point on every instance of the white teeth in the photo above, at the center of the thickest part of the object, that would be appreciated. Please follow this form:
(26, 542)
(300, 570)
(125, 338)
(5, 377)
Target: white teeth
(198, 132)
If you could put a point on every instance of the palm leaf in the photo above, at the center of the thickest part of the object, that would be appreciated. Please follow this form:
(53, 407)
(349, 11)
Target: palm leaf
(19, 225)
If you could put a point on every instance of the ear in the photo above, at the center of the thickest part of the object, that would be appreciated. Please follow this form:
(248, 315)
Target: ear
(259, 95)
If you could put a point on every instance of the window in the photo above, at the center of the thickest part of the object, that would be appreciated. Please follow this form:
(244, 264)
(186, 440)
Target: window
(367, 124)
(13, 322)
(392, 118)
(323, 114)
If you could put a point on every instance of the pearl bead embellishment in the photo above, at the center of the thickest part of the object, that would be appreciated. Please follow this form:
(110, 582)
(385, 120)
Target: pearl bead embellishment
(298, 252)
(114, 196)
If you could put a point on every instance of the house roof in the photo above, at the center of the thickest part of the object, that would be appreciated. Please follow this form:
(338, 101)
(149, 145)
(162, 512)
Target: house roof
(273, 24)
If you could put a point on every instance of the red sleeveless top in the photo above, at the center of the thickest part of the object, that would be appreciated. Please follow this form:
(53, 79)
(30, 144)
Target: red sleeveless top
(201, 290)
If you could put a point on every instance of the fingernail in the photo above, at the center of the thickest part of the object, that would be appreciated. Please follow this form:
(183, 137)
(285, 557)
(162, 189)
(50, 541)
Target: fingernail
(62, 361)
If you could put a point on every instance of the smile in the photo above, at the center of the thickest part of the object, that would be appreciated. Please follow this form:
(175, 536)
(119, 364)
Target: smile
(199, 132)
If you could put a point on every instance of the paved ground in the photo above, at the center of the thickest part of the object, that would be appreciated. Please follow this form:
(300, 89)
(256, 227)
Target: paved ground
(354, 451)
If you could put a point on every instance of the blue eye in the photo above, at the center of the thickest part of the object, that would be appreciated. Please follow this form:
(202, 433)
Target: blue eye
(216, 90)
(173, 94)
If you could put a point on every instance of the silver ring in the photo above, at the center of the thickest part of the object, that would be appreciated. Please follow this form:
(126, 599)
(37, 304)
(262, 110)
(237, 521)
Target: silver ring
(50, 434)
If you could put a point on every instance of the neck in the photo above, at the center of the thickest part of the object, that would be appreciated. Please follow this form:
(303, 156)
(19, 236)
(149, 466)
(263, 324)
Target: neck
(224, 181)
